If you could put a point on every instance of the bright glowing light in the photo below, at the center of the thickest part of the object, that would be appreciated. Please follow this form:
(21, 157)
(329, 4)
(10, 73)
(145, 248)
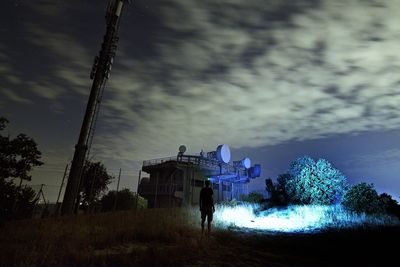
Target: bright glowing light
(308, 218)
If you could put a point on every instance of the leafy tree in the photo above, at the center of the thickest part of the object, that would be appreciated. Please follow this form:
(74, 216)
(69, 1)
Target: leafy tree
(17, 156)
(126, 200)
(95, 180)
(363, 197)
(310, 182)
(253, 197)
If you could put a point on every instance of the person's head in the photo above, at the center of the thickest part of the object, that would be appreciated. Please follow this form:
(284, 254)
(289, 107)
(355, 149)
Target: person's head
(207, 183)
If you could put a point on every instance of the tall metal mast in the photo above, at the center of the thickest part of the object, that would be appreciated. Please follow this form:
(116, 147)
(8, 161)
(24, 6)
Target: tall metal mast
(100, 73)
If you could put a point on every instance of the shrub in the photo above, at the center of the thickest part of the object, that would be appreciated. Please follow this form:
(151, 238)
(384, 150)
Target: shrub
(126, 200)
(15, 202)
(253, 197)
(391, 205)
(277, 193)
(363, 197)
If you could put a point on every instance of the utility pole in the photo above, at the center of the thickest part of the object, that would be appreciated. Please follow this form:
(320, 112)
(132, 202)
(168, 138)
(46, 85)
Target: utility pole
(100, 73)
(116, 194)
(61, 187)
(137, 189)
(37, 199)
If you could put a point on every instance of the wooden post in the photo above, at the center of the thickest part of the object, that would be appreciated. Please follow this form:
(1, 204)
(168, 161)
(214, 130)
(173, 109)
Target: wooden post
(116, 194)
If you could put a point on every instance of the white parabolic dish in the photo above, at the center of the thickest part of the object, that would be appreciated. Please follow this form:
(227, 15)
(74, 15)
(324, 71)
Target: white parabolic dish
(223, 153)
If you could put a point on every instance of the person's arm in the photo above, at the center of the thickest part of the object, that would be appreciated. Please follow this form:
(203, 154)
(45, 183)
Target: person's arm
(200, 200)
(212, 201)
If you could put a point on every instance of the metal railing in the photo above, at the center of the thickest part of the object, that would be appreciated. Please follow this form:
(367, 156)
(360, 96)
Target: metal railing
(221, 170)
(196, 160)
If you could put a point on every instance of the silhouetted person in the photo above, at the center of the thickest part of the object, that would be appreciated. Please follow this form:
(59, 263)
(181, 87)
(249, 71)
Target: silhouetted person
(206, 206)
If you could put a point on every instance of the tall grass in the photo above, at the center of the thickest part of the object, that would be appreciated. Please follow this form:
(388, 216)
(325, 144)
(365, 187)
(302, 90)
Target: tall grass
(301, 218)
(166, 237)
(78, 239)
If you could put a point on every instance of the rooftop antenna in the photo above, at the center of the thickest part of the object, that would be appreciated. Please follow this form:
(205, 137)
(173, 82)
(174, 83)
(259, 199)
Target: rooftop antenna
(100, 73)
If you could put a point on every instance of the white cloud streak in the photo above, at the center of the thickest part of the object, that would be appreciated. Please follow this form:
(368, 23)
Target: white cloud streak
(328, 73)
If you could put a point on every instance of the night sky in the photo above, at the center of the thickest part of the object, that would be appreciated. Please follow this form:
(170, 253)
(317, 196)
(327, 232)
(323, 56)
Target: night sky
(273, 79)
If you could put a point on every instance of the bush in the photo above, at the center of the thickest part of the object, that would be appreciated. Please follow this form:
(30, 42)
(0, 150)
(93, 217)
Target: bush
(363, 197)
(126, 200)
(391, 205)
(277, 193)
(253, 197)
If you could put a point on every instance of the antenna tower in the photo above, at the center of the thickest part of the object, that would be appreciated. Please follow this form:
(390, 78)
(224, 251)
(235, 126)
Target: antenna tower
(100, 73)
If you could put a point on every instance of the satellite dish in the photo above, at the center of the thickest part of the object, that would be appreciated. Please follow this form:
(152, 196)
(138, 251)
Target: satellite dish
(246, 162)
(182, 149)
(223, 153)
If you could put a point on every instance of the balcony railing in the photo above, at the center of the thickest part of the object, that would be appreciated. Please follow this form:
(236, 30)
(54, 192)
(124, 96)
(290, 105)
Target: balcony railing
(196, 160)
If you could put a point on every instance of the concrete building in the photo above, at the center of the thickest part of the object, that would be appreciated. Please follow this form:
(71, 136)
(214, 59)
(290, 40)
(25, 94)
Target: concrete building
(177, 181)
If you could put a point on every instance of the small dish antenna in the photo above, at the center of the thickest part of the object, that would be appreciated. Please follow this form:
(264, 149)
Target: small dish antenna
(244, 163)
(182, 149)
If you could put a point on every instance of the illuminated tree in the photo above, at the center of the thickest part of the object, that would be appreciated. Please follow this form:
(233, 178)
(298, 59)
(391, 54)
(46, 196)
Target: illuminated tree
(310, 182)
(363, 197)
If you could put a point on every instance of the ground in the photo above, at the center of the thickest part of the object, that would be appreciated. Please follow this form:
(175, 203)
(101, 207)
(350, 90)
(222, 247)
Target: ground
(163, 237)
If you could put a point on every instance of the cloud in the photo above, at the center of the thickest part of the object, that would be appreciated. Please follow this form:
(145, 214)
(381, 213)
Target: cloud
(55, 63)
(234, 72)
(248, 73)
(201, 73)
(386, 157)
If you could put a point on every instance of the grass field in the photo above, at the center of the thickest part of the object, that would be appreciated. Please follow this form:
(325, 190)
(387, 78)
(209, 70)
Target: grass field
(171, 237)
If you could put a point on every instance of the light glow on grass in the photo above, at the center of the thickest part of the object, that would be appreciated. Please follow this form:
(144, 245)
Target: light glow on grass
(308, 218)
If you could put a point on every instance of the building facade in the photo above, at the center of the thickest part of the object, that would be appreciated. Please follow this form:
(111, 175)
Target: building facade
(177, 181)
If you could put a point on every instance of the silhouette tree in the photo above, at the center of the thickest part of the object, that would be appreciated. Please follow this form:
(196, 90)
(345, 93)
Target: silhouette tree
(95, 180)
(17, 156)
(277, 191)
(126, 200)
(11, 197)
(391, 206)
